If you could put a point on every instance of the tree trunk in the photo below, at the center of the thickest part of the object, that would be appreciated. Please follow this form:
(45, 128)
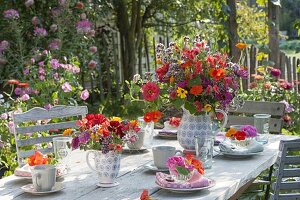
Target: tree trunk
(273, 16)
(232, 29)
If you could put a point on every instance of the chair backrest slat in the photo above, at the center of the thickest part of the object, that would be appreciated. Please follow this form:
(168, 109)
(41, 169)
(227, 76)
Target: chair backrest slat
(256, 107)
(244, 115)
(66, 114)
(37, 113)
(275, 125)
(38, 140)
(25, 154)
(45, 127)
(288, 173)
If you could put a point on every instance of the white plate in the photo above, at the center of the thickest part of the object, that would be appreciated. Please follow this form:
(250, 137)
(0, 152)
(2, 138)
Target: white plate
(65, 172)
(185, 190)
(238, 154)
(152, 167)
(30, 189)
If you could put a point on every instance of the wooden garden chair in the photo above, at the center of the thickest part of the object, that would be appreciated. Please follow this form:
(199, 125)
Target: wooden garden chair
(288, 168)
(244, 116)
(67, 113)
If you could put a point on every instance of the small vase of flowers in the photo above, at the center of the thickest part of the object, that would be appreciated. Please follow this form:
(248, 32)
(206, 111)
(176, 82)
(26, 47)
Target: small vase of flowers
(241, 135)
(182, 169)
(104, 137)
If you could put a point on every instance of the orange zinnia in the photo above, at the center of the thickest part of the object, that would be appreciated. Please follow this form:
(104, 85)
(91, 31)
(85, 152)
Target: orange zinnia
(156, 116)
(196, 90)
(23, 85)
(13, 82)
(241, 45)
(217, 74)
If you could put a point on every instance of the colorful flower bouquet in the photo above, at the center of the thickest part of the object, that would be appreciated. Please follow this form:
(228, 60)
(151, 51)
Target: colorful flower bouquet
(193, 76)
(241, 134)
(98, 132)
(183, 168)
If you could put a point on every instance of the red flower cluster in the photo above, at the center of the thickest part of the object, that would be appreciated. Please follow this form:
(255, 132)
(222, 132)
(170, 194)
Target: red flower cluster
(196, 163)
(94, 119)
(152, 116)
(175, 121)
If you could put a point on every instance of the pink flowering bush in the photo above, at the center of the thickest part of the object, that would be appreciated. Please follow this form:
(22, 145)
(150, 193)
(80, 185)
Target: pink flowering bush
(268, 86)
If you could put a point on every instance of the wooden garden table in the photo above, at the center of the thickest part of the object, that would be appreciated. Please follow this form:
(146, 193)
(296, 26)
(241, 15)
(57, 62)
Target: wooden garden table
(230, 175)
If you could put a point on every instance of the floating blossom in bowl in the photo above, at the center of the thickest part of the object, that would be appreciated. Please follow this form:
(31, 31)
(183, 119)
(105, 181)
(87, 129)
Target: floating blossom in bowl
(245, 131)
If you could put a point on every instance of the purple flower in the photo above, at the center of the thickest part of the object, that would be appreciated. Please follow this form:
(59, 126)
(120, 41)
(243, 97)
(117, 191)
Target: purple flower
(32, 60)
(4, 45)
(11, 14)
(175, 161)
(75, 143)
(42, 77)
(41, 64)
(25, 97)
(288, 107)
(18, 91)
(54, 63)
(4, 116)
(66, 87)
(83, 26)
(75, 70)
(181, 84)
(61, 2)
(242, 73)
(29, 3)
(40, 32)
(249, 130)
(84, 94)
(275, 72)
(26, 71)
(48, 106)
(84, 137)
(55, 44)
(55, 76)
(42, 71)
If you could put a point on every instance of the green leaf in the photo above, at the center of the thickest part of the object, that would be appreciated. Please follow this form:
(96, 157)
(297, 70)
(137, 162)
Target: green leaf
(261, 2)
(190, 107)
(178, 102)
(298, 68)
(194, 81)
(268, 63)
(182, 170)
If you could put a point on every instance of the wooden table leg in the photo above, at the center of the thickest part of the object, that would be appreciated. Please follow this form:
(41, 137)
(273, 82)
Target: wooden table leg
(241, 190)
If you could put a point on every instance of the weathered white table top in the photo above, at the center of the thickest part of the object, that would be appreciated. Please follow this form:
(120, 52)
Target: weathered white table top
(80, 183)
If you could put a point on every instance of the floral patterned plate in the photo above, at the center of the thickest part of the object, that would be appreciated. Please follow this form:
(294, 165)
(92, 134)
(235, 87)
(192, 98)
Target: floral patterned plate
(188, 190)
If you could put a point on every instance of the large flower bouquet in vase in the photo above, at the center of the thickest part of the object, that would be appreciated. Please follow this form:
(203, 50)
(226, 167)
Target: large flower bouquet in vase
(197, 79)
(104, 137)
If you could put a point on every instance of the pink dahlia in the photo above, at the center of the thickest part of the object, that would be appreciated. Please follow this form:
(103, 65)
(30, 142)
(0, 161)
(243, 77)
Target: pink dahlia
(85, 94)
(11, 14)
(150, 91)
(66, 87)
(275, 72)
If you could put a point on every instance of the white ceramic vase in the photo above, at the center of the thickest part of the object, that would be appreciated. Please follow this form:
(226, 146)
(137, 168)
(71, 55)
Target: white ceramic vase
(106, 165)
(196, 125)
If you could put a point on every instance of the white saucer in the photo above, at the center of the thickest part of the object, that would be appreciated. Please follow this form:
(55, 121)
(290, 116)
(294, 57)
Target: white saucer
(186, 190)
(239, 154)
(107, 185)
(152, 167)
(30, 189)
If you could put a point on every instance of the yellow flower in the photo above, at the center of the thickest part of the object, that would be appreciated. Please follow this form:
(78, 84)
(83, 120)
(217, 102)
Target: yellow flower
(181, 92)
(67, 132)
(116, 119)
(207, 108)
(230, 132)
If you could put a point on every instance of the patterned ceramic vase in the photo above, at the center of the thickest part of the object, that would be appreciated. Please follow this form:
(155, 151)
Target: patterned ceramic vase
(139, 142)
(107, 167)
(196, 125)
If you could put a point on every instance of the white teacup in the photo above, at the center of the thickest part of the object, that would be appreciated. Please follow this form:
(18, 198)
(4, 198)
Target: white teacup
(43, 177)
(161, 155)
